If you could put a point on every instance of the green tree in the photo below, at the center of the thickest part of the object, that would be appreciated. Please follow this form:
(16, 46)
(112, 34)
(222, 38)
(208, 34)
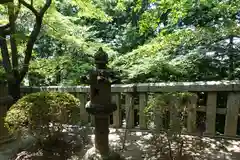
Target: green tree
(15, 72)
(21, 25)
(195, 40)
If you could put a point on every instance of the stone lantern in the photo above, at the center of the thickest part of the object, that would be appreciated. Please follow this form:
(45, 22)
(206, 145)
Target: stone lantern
(101, 107)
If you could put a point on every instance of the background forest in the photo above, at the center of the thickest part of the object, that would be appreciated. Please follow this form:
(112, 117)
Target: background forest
(147, 40)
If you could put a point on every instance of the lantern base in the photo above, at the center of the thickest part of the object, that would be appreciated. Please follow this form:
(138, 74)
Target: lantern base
(93, 153)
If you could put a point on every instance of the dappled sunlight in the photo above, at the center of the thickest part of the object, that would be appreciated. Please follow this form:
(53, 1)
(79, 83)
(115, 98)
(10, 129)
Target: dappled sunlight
(138, 146)
(142, 145)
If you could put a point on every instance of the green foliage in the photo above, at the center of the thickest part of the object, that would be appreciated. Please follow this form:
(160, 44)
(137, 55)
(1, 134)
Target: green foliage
(148, 41)
(62, 18)
(172, 57)
(42, 114)
(62, 70)
(170, 143)
(169, 102)
(186, 32)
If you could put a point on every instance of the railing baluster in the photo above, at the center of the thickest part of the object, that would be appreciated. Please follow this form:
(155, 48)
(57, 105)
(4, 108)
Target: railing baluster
(211, 110)
(142, 104)
(117, 122)
(192, 114)
(83, 100)
(158, 119)
(129, 104)
(174, 114)
(231, 121)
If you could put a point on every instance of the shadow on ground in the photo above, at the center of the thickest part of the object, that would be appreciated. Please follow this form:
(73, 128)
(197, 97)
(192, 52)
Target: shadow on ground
(143, 146)
(137, 146)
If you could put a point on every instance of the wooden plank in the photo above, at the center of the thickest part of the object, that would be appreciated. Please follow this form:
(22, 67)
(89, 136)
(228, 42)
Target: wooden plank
(218, 110)
(142, 104)
(211, 113)
(129, 101)
(117, 120)
(208, 86)
(83, 112)
(192, 114)
(231, 121)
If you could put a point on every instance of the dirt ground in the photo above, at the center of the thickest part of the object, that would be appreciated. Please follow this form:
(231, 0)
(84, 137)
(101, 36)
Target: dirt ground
(137, 147)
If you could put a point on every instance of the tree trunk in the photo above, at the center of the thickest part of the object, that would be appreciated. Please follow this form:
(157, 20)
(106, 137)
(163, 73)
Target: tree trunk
(14, 90)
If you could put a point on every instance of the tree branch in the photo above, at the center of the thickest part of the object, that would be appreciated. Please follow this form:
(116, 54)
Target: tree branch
(12, 19)
(30, 7)
(6, 27)
(33, 37)
(5, 54)
(45, 7)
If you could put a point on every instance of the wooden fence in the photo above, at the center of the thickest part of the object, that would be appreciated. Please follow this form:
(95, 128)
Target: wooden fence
(218, 98)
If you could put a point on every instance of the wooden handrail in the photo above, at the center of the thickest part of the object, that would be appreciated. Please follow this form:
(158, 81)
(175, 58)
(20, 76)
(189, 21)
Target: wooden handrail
(211, 88)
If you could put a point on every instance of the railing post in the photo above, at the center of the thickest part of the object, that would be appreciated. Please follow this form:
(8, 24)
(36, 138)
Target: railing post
(192, 114)
(129, 109)
(83, 100)
(117, 122)
(211, 113)
(142, 104)
(233, 104)
(158, 119)
(174, 114)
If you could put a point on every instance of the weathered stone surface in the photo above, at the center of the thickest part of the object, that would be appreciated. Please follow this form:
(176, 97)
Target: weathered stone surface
(100, 107)
(204, 86)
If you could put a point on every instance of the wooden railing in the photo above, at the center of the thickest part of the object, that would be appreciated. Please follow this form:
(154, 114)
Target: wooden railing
(214, 99)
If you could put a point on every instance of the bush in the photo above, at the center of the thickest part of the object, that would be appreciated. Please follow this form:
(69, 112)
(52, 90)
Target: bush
(43, 114)
(162, 103)
(171, 143)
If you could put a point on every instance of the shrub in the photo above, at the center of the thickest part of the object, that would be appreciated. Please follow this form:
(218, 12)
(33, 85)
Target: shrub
(170, 143)
(43, 114)
(162, 103)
